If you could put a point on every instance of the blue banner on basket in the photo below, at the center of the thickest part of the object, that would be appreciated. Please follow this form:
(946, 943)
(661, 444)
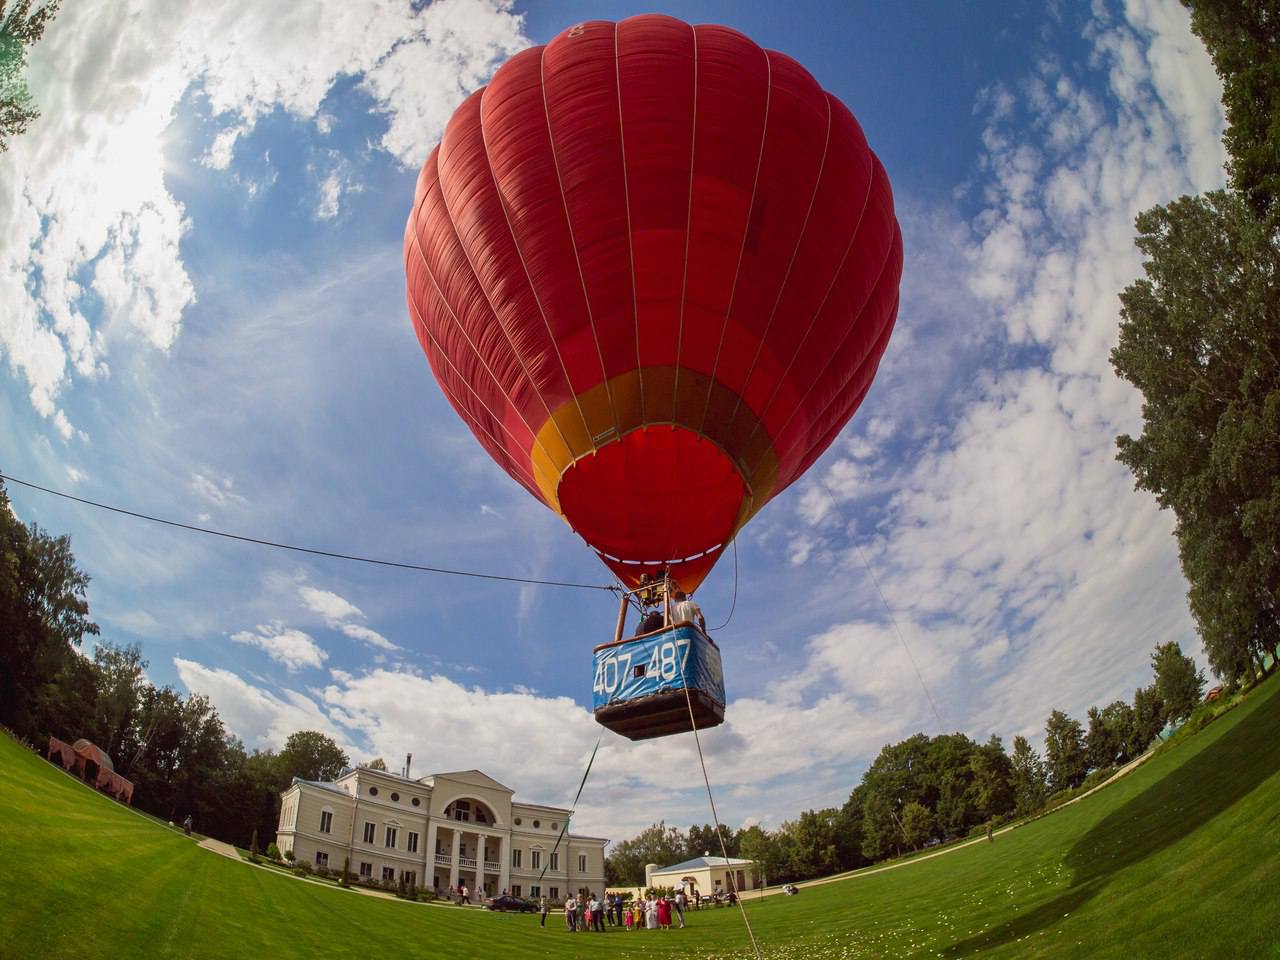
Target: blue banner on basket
(670, 660)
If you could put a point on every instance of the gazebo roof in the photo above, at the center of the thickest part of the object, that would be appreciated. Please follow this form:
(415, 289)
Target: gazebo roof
(91, 751)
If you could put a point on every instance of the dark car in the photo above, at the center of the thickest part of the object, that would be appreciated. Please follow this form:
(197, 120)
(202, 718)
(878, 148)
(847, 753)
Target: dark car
(519, 904)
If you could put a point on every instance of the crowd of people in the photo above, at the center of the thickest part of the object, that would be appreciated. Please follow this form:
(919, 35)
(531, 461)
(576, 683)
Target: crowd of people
(594, 914)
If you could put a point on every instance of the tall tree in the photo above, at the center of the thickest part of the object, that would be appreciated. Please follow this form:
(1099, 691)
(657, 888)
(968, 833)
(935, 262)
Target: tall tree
(1064, 753)
(658, 844)
(19, 29)
(1028, 778)
(1243, 38)
(917, 824)
(992, 789)
(43, 616)
(1178, 682)
(1200, 337)
(310, 755)
(756, 843)
(1148, 718)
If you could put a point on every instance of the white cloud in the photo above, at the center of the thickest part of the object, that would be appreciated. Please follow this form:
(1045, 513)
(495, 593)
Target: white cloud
(89, 218)
(218, 492)
(285, 645)
(1021, 566)
(260, 718)
(338, 613)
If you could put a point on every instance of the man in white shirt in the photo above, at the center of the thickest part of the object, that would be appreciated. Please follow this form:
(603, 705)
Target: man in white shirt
(684, 608)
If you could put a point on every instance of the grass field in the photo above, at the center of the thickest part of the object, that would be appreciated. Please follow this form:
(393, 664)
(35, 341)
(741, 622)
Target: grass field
(1179, 859)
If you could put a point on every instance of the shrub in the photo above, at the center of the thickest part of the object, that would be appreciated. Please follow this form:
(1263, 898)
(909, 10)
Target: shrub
(322, 871)
(273, 852)
(290, 856)
(253, 846)
(345, 879)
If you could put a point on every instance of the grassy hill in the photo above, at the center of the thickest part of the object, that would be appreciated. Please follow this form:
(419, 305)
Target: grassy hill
(1179, 859)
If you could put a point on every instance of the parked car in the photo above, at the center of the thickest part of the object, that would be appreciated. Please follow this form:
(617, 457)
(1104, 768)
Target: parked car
(519, 904)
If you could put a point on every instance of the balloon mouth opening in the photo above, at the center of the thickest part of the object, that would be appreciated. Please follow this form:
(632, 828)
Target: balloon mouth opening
(661, 497)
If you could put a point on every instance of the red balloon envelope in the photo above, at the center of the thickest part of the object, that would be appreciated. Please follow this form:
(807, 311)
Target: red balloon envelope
(654, 268)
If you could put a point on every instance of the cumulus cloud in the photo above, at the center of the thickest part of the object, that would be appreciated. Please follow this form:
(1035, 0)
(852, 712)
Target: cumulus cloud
(260, 718)
(1014, 538)
(90, 235)
(285, 645)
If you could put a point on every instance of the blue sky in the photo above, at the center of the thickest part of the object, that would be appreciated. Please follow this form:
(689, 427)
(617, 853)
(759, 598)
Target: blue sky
(202, 317)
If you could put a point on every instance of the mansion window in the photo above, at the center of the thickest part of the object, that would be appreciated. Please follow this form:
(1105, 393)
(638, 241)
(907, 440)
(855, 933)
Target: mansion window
(326, 821)
(554, 893)
(555, 861)
(410, 876)
(461, 810)
(390, 838)
(534, 891)
(366, 870)
(388, 873)
(535, 859)
(413, 842)
(582, 863)
(583, 893)
(322, 860)
(515, 890)
(369, 829)
(515, 857)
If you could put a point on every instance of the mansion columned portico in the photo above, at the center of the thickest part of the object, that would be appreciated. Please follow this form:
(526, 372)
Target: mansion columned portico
(440, 831)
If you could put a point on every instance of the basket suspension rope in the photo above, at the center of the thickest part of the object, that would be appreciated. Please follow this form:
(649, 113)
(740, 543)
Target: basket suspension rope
(572, 810)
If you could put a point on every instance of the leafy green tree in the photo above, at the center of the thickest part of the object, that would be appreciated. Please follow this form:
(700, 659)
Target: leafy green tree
(881, 834)
(992, 787)
(44, 616)
(376, 764)
(1110, 730)
(1064, 753)
(1200, 337)
(917, 824)
(1243, 38)
(1027, 778)
(121, 679)
(658, 844)
(19, 29)
(310, 755)
(812, 844)
(703, 839)
(1178, 682)
(1148, 718)
(756, 843)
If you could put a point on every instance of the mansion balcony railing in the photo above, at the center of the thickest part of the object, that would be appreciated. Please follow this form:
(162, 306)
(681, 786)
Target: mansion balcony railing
(443, 859)
(492, 866)
(466, 862)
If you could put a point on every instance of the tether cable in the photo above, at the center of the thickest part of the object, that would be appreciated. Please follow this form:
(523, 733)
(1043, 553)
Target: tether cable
(715, 817)
(573, 808)
(422, 568)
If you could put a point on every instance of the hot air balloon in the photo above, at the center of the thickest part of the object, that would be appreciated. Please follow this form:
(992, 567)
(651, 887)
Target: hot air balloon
(653, 267)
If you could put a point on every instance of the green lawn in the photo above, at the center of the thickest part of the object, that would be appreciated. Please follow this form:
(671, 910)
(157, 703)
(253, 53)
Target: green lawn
(1179, 859)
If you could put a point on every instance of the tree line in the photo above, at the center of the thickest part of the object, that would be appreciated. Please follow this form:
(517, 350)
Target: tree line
(175, 748)
(926, 790)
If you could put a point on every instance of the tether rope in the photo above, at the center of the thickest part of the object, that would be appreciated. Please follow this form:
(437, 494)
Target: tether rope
(715, 817)
(309, 550)
(573, 808)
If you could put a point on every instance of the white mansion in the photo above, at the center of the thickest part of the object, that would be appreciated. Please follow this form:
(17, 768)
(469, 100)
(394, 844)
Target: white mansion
(439, 831)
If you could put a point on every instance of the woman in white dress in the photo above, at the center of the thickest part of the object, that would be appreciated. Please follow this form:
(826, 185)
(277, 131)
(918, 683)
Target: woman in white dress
(651, 914)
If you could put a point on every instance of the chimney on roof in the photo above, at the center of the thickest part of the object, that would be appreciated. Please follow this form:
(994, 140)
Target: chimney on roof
(408, 761)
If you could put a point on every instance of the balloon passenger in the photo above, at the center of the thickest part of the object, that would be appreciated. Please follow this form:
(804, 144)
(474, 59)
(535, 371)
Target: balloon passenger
(686, 609)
